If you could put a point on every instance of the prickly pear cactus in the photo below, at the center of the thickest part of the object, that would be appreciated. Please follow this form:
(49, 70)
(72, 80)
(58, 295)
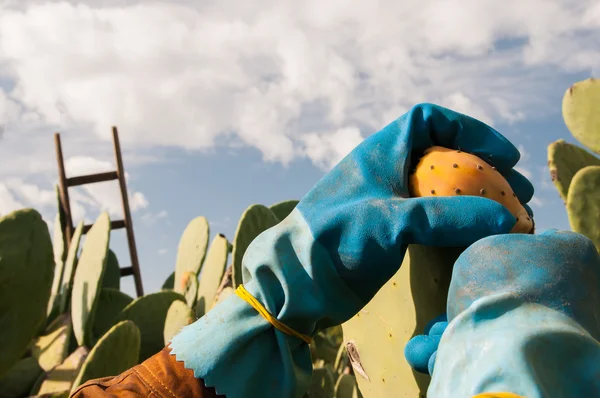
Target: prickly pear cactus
(326, 344)
(574, 170)
(110, 304)
(375, 337)
(322, 384)
(178, 316)
(212, 273)
(112, 274)
(124, 339)
(448, 172)
(564, 161)
(149, 313)
(52, 348)
(26, 274)
(346, 387)
(88, 279)
(583, 203)
(283, 209)
(62, 377)
(169, 283)
(192, 250)
(20, 379)
(69, 272)
(190, 290)
(60, 255)
(581, 112)
(255, 220)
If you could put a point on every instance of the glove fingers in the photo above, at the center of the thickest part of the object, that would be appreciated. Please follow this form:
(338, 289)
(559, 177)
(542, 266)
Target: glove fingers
(520, 185)
(453, 221)
(435, 125)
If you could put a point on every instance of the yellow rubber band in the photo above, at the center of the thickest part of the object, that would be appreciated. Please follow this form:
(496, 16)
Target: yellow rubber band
(250, 299)
(497, 395)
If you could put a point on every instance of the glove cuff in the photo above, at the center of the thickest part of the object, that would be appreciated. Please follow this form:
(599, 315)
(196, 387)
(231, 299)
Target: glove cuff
(234, 349)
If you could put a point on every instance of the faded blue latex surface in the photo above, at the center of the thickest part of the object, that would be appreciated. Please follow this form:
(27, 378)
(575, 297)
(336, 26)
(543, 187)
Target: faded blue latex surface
(344, 240)
(524, 314)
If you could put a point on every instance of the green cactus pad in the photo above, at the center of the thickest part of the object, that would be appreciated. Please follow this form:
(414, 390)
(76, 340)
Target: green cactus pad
(26, 274)
(581, 112)
(149, 313)
(178, 316)
(88, 279)
(36, 386)
(283, 209)
(20, 379)
(226, 292)
(62, 377)
(326, 344)
(60, 254)
(322, 384)
(564, 161)
(112, 274)
(191, 252)
(583, 203)
(51, 349)
(110, 304)
(190, 291)
(255, 220)
(341, 360)
(169, 282)
(346, 387)
(115, 352)
(212, 273)
(375, 337)
(69, 272)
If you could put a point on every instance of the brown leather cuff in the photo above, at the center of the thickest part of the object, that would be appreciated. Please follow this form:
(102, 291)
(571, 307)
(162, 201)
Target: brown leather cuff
(158, 376)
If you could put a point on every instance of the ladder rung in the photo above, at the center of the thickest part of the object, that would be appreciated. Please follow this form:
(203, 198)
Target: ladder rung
(126, 271)
(92, 178)
(117, 224)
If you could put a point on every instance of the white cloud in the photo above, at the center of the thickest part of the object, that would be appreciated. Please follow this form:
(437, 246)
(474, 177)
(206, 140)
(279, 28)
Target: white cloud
(162, 252)
(8, 202)
(151, 218)
(327, 149)
(536, 201)
(267, 74)
(524, 154)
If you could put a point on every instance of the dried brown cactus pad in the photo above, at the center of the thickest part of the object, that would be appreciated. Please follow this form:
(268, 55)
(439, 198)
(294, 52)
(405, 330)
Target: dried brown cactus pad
(449, 172)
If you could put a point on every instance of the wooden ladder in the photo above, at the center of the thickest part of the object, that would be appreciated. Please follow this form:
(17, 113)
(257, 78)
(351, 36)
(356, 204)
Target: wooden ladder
(127, 223)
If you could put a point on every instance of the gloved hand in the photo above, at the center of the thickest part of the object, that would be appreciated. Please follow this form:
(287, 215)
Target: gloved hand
(421, 350)
(524, 317)
(342, 242)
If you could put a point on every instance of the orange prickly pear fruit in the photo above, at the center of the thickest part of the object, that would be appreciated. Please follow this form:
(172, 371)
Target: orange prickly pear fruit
(449, 172)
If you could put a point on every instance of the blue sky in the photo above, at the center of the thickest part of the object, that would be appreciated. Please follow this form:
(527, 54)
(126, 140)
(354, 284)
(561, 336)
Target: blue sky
(225, 106)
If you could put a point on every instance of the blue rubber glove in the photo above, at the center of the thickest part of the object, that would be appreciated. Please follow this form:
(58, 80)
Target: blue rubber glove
(524, 314)
(339, 246)
(421, 350)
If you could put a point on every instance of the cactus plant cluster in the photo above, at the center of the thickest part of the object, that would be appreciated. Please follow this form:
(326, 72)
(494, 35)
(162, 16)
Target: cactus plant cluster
(575, 171)
(73, 322)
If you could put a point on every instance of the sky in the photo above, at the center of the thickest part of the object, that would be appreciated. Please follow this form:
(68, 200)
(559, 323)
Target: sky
(224, 104)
